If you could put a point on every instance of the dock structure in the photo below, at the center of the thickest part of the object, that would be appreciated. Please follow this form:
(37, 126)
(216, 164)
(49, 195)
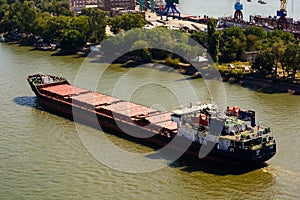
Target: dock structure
(268, 23)
(190, 22)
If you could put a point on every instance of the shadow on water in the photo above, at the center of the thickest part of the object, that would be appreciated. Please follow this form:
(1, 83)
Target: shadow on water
(188, 164)
(135, 64)
(29, 101)
(186, 78)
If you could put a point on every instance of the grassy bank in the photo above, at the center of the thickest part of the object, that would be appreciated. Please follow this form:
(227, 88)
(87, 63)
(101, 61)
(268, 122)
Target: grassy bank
(241, 73)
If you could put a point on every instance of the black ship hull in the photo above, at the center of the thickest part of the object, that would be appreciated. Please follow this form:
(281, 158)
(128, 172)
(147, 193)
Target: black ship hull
(109, 125)
(152, 136)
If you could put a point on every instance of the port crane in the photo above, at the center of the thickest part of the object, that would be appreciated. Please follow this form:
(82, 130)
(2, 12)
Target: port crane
(238, 14)
(238, 7)
(142, 3)
(170, 4)
(282, 13)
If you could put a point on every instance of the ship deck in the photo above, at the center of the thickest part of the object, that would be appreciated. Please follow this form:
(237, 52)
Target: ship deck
(96, 102)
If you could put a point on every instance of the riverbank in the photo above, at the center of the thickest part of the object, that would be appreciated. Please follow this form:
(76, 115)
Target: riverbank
(242, 73)
(263, 85)
(244, 79)
(247, 80)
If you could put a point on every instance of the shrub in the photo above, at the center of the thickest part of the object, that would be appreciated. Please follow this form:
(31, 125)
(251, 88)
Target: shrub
(172, 62)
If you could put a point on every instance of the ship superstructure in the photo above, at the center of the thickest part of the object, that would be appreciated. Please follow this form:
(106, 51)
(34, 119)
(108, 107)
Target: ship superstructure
(234, 133)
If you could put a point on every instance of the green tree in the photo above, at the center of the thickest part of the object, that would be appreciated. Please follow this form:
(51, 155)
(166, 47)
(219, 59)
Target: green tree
(162, 37)
(213, 39)
(264, 62)
(201, 38)
(18, 16)
(27, 14)
(281, 35)
(132, 21)
(157, 36)
(112, 45)
(3, 8)
(214, 45)
(7, 25)
(292, 58)
(40, 23)
(259, 32)
(140, 49)
(97, 23)
(181, 49)
(55, 28)
(81, 24)
(233, 44)
(55, 7)
(126, 22)
(71, 41)
(211, 26)
(251, 42)
(278, 49)
(115, 24)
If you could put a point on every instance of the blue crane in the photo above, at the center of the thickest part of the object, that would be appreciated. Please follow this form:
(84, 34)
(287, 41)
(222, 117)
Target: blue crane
(281, 13)
(170, 4)
(142, 3)
(238, 14)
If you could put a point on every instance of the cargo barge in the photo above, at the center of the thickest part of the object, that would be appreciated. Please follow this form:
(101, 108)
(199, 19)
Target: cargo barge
(231, 137)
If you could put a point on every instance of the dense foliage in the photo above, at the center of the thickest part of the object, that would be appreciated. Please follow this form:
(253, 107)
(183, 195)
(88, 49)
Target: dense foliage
(275, 50)
(158, 43)
(71, 40)
(213, 39)
(126, 22)
(52, 22)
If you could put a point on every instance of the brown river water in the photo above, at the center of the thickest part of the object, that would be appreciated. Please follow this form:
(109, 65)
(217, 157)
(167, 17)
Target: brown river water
(42, 156)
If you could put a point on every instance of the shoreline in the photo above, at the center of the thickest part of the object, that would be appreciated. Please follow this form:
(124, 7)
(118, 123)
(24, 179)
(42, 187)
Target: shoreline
(267, 86)
(263, 85)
